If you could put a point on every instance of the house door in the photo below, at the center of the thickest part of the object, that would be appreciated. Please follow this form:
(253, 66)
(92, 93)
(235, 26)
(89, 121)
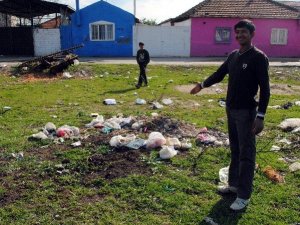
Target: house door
(16, 41)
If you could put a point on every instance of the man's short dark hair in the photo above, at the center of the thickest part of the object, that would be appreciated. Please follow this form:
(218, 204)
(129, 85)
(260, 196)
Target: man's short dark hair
(248, 24)
(141, 43)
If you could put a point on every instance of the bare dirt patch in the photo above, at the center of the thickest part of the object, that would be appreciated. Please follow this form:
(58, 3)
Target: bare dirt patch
(118, 164)
(277, 89)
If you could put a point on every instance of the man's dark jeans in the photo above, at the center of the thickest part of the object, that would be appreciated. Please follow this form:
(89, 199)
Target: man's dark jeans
(142, 77)
(243, 151)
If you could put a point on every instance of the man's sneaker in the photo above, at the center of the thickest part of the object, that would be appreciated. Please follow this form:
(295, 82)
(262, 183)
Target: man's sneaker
(226, 189)
(239, 204)
(137, 86)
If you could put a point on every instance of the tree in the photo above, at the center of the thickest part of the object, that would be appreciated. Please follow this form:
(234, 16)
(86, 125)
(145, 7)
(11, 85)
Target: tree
(149, 21)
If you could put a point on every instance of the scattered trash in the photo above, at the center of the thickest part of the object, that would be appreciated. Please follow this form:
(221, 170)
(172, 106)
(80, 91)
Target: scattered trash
(227, 142)
(287, 105)
(223, 175)
(288, 160)
(185, 145)
(167, 101)
(119, 141)
(136, 144)
(18, 156)
(218, 143)
(297, 103)
(154, 114)
(38, 136)
(210, 100)
(157, 105)
(97, 122)
(94, 115)
(76, 62)
(296, 130)
(67, 75)
(140, 101)
(204, 138)
(3, 66)
(275, 148)
(5, 109)
(210, 221)
(285, 141)
(76, 144)
(222, 102)
(170, 81)
(173, 142)
(137, 125)
(273, 175)
(50, 127)
(290, 124)
(67, 131)
(275, 107)
(155, 140)
(53, 116)
(219, 91)
(110, 101)
(167, 152)
(294, 167)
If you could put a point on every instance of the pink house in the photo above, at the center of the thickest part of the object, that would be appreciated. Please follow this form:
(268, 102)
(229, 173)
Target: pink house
(212, 21)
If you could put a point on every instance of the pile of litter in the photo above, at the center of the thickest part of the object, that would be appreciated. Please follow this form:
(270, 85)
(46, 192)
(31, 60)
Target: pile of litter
(156, 132)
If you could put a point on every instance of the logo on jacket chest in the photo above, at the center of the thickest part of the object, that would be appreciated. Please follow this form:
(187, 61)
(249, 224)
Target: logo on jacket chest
(245, 65)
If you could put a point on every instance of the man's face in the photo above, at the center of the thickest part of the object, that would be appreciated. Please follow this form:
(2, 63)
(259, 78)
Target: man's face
(243, 36)
(141, 46)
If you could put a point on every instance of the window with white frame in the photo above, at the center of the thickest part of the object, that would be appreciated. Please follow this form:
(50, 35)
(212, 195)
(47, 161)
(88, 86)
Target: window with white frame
(279, 36)
(223, 35)
(102, 31)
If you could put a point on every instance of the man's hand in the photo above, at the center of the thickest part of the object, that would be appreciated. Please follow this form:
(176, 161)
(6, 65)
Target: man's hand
(196, 89)
(258, 126)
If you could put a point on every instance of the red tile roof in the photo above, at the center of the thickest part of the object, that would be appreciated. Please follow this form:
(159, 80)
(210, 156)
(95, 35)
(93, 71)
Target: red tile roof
(241, 9)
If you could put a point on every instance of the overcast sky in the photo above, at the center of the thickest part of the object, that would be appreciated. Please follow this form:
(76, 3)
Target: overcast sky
(159, 10)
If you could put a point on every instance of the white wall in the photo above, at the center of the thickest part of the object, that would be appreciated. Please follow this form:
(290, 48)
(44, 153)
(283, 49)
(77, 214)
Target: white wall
(46, 41)
(163, 41)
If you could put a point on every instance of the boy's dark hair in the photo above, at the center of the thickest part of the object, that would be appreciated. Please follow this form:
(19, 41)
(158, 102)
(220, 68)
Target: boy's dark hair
(141, 43)
(248, 24)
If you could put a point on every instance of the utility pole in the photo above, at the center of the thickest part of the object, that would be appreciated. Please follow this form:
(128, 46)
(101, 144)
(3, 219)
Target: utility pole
(134, 8)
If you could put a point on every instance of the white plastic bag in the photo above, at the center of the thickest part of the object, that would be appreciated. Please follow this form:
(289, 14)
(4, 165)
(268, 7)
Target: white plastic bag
(155, 140)
(167, 152)
(118, 141)
(290, 124)
(223, 175)
(173, 142)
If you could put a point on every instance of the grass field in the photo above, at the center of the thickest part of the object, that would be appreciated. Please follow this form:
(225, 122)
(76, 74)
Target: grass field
(179, 191)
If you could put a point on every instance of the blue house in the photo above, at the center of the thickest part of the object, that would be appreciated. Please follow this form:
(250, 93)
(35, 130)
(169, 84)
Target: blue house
(104, 29)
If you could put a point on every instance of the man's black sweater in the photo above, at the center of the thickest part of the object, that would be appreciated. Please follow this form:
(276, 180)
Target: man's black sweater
(247, 72)
(142, 57)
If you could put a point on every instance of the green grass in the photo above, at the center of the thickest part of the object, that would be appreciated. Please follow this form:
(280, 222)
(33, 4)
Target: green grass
(35, 194)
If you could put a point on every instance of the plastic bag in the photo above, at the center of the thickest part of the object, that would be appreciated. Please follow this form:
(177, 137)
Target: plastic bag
(290, 124)
(155, 140)
(140, 101)
(173, 142)
(167, 152)
(223, 175)
(119, 141)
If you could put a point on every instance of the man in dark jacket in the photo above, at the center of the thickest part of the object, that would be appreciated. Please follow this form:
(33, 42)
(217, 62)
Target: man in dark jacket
(142, 58)
(248, 70)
